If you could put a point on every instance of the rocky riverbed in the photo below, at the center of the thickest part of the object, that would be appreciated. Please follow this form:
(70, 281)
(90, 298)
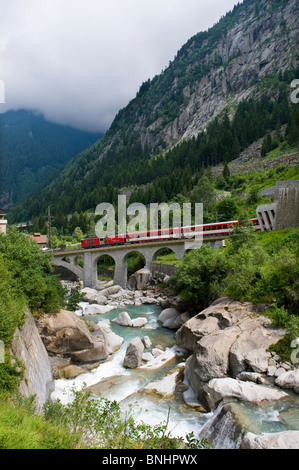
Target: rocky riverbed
(217, 364)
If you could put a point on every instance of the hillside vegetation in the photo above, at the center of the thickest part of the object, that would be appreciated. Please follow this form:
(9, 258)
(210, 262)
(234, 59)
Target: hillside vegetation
(226, 88)
(32, 152)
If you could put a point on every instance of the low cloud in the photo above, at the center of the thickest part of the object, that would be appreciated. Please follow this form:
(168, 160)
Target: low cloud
(79, 61)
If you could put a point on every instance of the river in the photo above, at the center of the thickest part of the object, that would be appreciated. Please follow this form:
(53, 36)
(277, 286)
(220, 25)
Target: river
(153, 410)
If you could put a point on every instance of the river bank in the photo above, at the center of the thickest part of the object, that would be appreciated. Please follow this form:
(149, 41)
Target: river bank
(230, 395)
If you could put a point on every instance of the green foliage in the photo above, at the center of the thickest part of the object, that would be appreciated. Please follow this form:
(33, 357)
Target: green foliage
(12, 303)
(254, 267)
(200, 275)
(31, 272)
(10, 374)
(74, 298)
(32, 150)
(227, 209)
(22, 428)
(282, 319)
(111, 428)
(89, 180)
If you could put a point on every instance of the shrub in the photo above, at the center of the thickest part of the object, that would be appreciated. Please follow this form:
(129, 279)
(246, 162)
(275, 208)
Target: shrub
(199, 277)
(31, 272)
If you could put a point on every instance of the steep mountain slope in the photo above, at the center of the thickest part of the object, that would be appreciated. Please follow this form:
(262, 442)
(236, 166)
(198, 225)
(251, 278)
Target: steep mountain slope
(248, 56)
(32, 150)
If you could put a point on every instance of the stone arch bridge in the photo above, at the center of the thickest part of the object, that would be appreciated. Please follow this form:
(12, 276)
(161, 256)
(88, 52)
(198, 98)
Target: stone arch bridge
(88, 274)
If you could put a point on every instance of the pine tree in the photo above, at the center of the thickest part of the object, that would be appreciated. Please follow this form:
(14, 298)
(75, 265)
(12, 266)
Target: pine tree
(226, 172)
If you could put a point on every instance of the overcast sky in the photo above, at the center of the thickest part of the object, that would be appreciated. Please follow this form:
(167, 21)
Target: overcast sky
(79, 61)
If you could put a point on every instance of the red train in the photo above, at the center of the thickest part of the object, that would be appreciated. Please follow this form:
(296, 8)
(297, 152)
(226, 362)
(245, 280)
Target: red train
(216, 228)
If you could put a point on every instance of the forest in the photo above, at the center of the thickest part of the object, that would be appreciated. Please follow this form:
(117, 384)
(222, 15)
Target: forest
(175, 173)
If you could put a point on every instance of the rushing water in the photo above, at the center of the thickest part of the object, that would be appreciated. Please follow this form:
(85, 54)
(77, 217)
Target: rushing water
(182, 419)
(154, 410)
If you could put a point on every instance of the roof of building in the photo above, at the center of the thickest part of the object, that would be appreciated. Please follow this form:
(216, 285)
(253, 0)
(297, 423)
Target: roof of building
(40, 239)
(2, 211)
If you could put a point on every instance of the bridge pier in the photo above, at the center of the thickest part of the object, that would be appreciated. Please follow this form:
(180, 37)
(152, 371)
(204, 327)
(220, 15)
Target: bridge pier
(89, 273)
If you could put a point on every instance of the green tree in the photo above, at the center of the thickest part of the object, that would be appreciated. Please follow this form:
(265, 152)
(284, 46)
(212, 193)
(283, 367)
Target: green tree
(204, 193)
(227, 209)
(78, 234)
(199, 278)
(32, 272)
(226, 172)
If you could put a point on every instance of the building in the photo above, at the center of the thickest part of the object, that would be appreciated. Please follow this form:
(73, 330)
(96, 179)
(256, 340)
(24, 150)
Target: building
(41, 240)
(283, 212)
(3, 221)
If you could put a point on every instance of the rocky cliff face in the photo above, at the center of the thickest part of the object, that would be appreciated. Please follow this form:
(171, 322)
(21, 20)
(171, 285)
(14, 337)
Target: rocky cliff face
(260, 39)
(28, 347)
(259, 45)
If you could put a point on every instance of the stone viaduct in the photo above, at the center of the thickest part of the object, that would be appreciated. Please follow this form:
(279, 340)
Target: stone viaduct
(89, 275)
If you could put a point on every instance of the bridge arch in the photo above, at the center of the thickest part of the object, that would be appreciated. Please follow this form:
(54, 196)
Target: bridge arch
(176, 249)
(77, 270)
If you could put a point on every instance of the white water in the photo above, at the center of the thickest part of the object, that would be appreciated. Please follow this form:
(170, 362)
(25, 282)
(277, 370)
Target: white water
(151, 410)
(182, 420)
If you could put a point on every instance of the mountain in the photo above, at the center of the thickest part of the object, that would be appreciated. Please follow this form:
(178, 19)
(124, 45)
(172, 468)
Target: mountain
(226, 87)
(32, 150)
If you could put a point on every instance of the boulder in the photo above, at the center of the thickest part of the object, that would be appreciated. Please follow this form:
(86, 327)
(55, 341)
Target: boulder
(64, 332)
(273, 440)
(100, 299)
(123, 319)
(226, 339)
(110, 290)
(147, 356)
(166, 387)
(212, 354)
(105, 342)
(161, 360)
(139, 322)
(251, 377)
(70, 372)
(249, 350)
(89, 294)
(140, 279)
(134, 352)
(106, 384)
(194, 329)
(95, 309)
(257, 360)
(167, 317)
(219, 389)
(225, 428)
(289, 380)
(147, 342)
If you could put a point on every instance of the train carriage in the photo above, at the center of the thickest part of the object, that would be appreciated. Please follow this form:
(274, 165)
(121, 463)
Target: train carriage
(191, 231)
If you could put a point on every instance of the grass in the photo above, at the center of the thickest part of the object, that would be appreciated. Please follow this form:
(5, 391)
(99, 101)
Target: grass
(168, 259)
(21, 428)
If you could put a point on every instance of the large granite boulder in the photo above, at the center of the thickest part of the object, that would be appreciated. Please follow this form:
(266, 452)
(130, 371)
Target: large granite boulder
(226, 339)
(273, 440)
(134, 352)
(247, 392)
(289, 380)
(64, 332)
(105, 342)
(140, 279)
(168, 317)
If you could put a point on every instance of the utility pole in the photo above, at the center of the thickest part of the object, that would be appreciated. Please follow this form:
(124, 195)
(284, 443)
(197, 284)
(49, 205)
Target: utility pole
(49, 217)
